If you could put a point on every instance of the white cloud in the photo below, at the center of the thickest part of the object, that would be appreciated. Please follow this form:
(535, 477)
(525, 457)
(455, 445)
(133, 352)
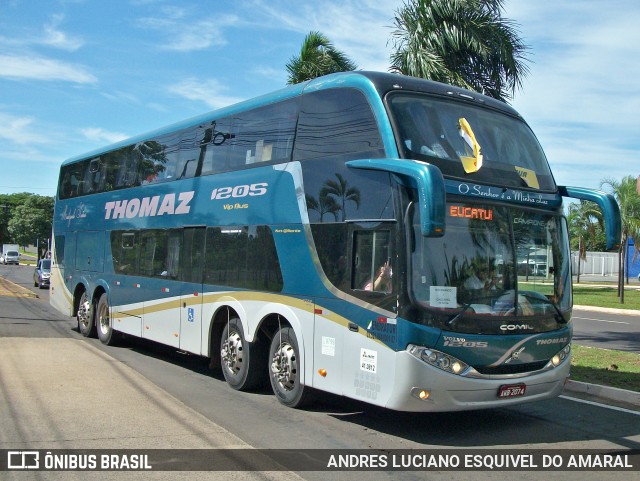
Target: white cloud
(56, 38)
(360, 28)
(582, 96)
(211, 92)
(100, 135)
(20, 130)
(189, 30)
(42, 68)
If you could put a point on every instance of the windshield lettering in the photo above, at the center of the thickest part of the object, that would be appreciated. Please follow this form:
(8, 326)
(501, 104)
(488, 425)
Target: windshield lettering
(496, 270)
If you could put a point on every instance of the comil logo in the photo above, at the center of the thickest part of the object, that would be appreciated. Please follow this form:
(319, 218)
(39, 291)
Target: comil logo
(23, 460)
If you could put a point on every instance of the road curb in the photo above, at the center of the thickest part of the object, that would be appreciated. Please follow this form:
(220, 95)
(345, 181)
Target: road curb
(603, 392)
(12, 289)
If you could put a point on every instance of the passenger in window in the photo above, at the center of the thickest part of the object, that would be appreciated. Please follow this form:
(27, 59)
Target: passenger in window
(382, 281)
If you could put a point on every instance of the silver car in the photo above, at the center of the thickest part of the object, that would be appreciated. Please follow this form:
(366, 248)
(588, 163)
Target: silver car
(42, 274)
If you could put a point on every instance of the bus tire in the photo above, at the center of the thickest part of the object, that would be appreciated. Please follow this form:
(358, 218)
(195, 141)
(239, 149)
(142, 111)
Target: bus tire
(240, 360)
(106, 333)
(284, 369)
(86, 323)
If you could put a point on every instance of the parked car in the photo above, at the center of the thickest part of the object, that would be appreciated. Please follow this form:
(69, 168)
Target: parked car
(10, 257)
(42, 274)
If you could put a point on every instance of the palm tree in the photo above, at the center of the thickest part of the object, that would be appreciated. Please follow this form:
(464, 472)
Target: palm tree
(317, 57)
(467, 43)
(342, 192)
(626, 193)
(583, 219)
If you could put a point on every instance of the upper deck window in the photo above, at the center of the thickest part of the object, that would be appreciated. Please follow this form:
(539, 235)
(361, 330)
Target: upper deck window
(337, 123)
(464, 141)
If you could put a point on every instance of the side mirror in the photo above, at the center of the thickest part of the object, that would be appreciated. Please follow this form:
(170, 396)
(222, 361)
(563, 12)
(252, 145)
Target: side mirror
(609, 207)
(426, 179)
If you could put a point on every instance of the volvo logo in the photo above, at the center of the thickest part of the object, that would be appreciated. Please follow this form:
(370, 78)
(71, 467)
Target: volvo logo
(515, 355)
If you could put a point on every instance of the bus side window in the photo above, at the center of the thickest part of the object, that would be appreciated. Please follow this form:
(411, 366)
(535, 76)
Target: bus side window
(242, 257)
(214, 147)
(160, 253)
(372, 258)
(263, 135)
(191, 258)
(337, 122)
(124, 252)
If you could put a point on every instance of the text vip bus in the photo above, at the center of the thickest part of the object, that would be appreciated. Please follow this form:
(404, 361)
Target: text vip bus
(381, 237)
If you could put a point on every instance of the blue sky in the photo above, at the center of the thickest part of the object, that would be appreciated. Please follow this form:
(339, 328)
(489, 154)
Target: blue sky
(76, 75)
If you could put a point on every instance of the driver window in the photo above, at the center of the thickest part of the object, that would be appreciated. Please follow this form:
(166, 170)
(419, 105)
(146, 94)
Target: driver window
(372, 257)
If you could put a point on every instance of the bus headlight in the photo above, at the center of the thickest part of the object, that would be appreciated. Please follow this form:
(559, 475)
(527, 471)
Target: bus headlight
(438, 359)
(561, 356)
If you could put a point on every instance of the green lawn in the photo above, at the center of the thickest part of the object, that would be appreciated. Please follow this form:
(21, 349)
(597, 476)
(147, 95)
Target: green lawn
(605, 297)
(605, 367)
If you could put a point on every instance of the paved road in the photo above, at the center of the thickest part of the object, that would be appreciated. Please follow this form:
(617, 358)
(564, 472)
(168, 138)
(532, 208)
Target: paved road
(176, 394)
(606, 330)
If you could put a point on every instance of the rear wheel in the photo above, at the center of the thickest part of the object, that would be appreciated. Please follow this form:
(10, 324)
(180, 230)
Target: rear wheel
(106, 333)
(86, 323)
(284, 369)
(240, 360)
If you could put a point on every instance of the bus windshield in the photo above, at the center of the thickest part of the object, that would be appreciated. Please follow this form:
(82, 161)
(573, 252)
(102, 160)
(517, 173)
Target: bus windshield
(497, 269)
(446, 133)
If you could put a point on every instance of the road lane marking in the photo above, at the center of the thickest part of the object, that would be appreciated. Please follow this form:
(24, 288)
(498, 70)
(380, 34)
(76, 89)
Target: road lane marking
(607, 406)
(599, 320)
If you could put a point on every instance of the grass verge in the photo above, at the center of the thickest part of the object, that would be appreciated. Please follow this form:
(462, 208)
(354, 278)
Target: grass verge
(606, 367)
(605, 297)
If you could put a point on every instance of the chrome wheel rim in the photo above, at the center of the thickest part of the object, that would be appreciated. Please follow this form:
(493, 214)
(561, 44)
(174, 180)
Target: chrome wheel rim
(84, 311)
(284, 366)
(103, 319)
(232, 353)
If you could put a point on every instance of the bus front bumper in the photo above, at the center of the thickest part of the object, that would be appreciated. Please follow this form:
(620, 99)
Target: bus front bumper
(451, 392)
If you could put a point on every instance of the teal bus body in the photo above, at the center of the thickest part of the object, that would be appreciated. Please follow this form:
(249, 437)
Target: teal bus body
(305, 238)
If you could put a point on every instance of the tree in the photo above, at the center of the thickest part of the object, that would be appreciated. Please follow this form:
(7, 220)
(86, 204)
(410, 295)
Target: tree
(467, 43)
(626, 193)
(585, 222)
(317, 57)
(32, 221)
(8, 205)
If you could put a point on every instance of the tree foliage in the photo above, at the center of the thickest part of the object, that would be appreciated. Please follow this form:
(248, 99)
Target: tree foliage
(467, 43)
(586, 229)
(626, 193)
(29, 219)
(317, 57)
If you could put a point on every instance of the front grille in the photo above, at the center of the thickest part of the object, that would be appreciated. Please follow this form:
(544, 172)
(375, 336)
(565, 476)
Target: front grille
(512, 368)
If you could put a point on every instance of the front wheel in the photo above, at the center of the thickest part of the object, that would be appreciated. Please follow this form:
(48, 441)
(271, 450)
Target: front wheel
(284, 369)
(106, 333)
(86, 323)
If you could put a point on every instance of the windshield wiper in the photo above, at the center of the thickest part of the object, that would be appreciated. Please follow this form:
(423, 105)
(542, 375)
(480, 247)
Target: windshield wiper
(545, 300)
(466, 307)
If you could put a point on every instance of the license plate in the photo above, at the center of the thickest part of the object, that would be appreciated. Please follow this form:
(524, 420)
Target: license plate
(511, 390)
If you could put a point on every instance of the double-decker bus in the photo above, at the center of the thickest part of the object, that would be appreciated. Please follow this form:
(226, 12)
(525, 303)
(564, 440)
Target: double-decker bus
(380, 237)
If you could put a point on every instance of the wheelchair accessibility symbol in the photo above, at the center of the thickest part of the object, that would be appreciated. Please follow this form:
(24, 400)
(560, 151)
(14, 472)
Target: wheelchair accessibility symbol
(191, 314)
